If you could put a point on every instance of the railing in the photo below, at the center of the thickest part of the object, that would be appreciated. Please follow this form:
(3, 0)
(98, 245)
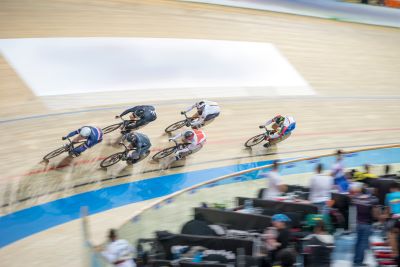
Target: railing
(172, 211)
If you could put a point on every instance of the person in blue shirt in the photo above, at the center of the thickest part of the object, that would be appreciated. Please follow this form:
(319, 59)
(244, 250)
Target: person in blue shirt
(392, 202)
(93, 136)
(140, 116)
(139, 142)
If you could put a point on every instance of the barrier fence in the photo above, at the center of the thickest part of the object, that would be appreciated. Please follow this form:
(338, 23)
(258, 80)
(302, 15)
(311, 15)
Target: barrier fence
(172, 211)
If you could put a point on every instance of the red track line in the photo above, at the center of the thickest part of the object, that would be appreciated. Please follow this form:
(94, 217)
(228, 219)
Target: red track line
(87, 161)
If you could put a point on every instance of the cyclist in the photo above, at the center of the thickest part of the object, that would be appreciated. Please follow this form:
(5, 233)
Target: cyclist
(282, 126)
(207, 111)
(194, 139)
(140, 116)
(139, 143)
(93, 136)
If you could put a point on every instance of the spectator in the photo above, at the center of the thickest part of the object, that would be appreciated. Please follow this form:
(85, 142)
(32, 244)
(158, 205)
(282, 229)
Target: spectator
(319, 246)
(365, 176)
(320, 189)
(367, 209)
(279, 222)
(393, 212)
(275, 185)
(118, 251)
(338, 173)
(387, 173)
(286, 257)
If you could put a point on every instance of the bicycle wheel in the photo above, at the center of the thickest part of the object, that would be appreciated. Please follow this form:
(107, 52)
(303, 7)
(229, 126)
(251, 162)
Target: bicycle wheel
(55, 153)
(254, 140)
(111, 160)
(139, 159)
(163, 153)
(111, 128)
(175, 126)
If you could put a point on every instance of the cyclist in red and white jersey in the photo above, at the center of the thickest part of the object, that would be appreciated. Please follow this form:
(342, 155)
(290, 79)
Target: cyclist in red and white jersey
(195, 140)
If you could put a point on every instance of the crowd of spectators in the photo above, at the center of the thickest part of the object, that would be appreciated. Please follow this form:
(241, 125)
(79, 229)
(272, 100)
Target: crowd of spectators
(375, 201)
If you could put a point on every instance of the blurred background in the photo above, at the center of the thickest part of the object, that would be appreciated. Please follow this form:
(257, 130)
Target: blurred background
(333, 66)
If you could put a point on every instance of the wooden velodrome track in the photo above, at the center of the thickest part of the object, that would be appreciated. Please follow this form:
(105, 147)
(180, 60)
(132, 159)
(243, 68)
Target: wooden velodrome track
(353, 68)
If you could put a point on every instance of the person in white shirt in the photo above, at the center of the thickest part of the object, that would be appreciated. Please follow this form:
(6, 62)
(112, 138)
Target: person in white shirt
(275, 184)
(338, 174)
(320, 189)
(118, 251)
(207, 111)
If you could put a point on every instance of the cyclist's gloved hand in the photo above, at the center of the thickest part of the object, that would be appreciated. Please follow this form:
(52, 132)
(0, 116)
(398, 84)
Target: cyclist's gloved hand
(116, 116)
(171, 139)
(63, 138)
(261, 126)
(183, 112)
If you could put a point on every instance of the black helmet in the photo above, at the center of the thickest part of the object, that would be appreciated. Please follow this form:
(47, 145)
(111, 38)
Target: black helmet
(188, 135)
(139, 112)
(131, 137)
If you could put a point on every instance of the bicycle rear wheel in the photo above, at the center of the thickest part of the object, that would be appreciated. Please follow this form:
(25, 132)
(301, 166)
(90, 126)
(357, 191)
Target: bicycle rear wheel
(175, 126)
(254, 140)
(111, 160)
(164, 153)
(111, 128)
(139, 159)
(55, 153)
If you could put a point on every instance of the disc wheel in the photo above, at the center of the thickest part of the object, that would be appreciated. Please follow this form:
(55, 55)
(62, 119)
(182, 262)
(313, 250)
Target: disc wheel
(111, 160)
(254, 140)
(139, 159)
(175, 126)
(164, 153)
(55, 153)
(111, 128)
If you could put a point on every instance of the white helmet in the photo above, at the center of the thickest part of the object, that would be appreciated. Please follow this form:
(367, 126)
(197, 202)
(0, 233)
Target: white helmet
(200, 105)
(85, 131)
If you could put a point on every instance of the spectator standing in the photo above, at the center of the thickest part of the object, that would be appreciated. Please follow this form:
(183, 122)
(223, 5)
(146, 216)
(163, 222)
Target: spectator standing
(387, 173)
(338, 174)
(320, 189)
(279, 222)
(118, 251)
(367, 209)
(275, 184)
(393, 212)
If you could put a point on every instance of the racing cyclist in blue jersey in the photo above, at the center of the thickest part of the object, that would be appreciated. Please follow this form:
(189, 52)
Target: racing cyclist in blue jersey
(139, 143)
(140, 116)
(283, 126)
(93, 136)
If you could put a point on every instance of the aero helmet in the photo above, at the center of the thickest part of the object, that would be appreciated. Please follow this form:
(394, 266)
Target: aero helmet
(85, 131)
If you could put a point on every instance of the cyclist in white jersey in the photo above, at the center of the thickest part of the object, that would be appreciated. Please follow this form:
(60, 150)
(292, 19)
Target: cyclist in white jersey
(207, 111)
(282, 126)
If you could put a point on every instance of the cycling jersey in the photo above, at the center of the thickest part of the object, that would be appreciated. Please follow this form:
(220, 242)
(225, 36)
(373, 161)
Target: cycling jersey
(149, 115)
(95, 137)
(197, 142)
(142, 144)
(210, 111)
(288, 125)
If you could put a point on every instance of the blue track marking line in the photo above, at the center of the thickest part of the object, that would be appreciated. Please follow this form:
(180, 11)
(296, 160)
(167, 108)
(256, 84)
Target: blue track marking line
(32, 220)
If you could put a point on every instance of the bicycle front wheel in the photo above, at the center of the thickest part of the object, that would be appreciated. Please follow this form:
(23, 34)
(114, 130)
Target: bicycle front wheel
(111, 160)
(175, 126)
(164, 153)
(111, 128)
(254, 140)
(55, 153)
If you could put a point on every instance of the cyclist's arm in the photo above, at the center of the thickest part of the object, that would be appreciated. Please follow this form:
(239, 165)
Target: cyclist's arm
(268, 122)
(127, 111)
(88, 144)
(190, 108)
(73, 133)
(179, 135)
(283, 130)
